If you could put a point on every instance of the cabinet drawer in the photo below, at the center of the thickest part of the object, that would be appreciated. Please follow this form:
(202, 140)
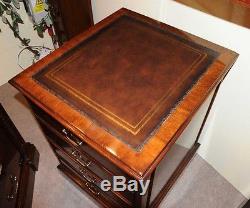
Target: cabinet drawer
(91, 178)
(84, 161)
(62, 132)
(105, 198)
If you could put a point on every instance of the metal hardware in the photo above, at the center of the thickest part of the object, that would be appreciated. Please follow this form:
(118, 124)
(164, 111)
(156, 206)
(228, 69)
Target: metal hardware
(87, 175)
(70, 136)
(77, 155)
(92, 188)
(14, 187)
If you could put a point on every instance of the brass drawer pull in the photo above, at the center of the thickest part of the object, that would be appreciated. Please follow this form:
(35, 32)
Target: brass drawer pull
(77, 155)
(92, 188)
(87, 175)
(14, 187)
(70, 136)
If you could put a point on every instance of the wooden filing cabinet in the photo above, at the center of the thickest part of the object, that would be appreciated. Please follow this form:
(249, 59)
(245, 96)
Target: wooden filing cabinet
(114, 100)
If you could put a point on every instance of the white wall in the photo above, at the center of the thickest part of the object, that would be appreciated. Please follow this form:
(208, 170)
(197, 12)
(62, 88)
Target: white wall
(226, 139)
(227, 147)
(102, 8)
(10, 47)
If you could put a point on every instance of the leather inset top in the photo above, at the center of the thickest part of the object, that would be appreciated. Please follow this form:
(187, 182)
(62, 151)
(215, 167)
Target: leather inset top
(127, 77)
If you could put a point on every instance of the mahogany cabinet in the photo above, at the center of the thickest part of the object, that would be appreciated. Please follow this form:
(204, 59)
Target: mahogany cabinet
(114, 100)
(18, 164)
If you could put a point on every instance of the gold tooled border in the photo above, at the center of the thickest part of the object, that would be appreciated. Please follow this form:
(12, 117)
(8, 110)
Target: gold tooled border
(134, 129)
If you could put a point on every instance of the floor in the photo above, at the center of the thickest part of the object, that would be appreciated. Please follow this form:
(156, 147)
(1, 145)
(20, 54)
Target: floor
(200, 186)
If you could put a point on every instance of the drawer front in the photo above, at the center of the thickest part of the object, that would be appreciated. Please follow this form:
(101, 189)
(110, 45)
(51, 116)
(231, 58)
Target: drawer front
(84, 161)
(75, 141)
(84, 172)
(81, 157)
(93, 181)
(103, 197)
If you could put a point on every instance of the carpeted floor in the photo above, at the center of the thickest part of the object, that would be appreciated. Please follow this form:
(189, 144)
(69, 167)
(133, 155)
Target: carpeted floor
(200, 186)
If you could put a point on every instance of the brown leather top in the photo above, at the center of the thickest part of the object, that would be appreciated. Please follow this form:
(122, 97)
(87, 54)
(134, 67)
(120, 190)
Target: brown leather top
(127, 77)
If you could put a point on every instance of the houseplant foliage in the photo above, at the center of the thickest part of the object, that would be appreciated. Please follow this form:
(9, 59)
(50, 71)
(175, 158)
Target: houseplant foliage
(10, 16)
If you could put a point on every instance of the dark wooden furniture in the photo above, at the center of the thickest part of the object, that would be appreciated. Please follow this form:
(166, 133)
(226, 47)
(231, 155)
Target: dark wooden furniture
(19, 162)
(114, 100)
(70, 17)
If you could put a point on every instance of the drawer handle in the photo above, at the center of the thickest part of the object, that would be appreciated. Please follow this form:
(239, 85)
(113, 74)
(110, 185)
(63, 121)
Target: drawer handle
(70, 136)
(92, 188)
(87, 176)
(14, 187)
(77, 155)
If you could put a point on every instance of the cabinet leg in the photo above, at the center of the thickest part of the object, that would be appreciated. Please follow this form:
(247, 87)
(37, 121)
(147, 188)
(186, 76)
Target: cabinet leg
(207, 113)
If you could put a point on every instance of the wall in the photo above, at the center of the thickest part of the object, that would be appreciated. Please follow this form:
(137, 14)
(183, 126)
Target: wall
(226, 139)
(10, 47)
(102, 9)
(227, 147)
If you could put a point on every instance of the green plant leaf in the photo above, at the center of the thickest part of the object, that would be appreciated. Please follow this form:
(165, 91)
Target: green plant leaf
(39, 31)
(19, 19)
(1, 11)
(16, 28)
(16, 17)
(8, 5)
(2, 8)
(13, 16)
(5, 20)
(16, 3)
